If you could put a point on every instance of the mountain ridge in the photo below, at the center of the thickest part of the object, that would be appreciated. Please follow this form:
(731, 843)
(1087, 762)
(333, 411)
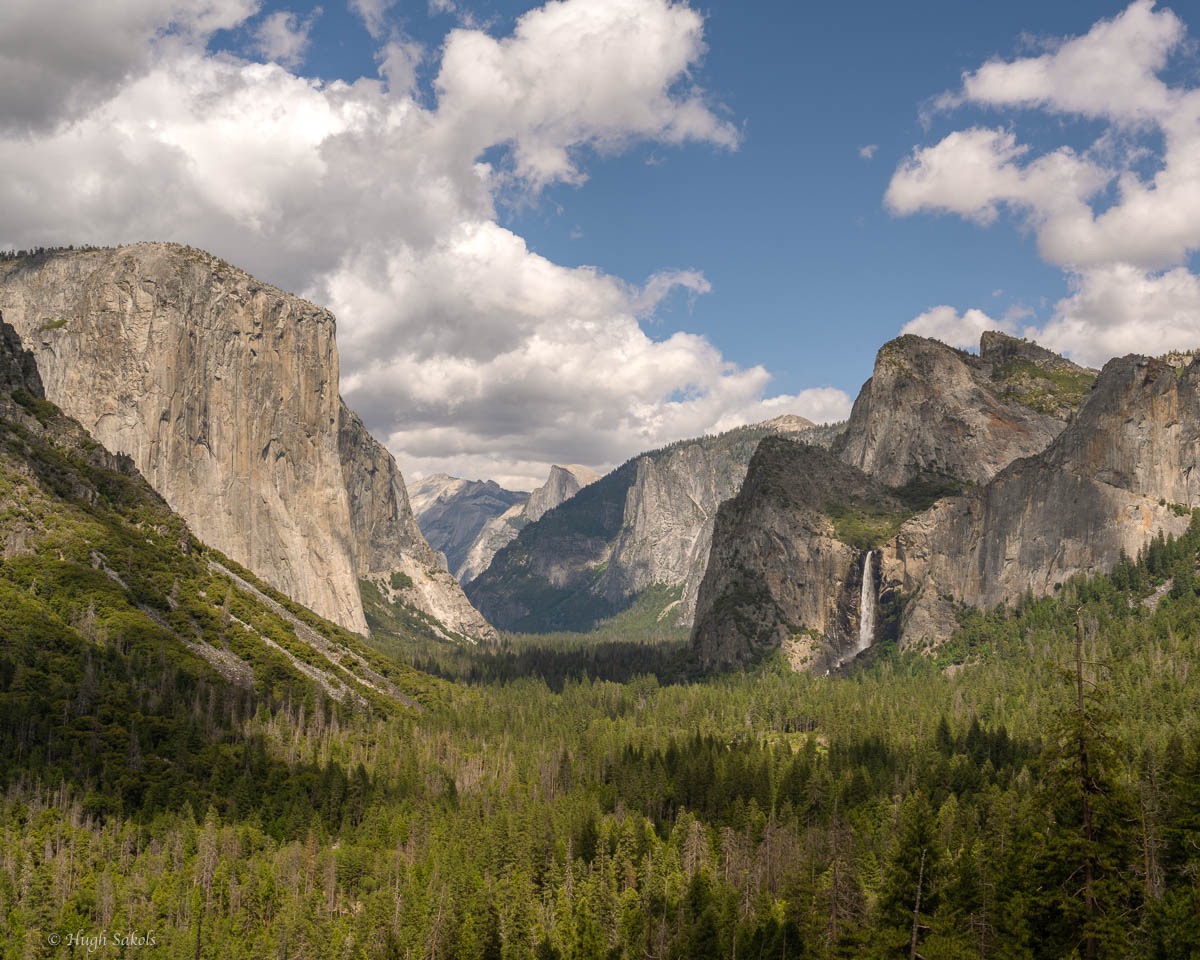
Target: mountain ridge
(1023, 492)
(469, 521)
(223, 390)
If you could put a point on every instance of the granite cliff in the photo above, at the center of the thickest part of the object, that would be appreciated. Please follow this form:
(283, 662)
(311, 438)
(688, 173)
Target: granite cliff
(932, 411)
(782, 575)
(996, 476)
(1125, 469)
(224, 392)
(97, 568)
(649, 522)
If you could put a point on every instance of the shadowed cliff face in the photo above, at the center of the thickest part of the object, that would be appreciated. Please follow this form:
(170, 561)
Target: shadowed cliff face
(779, 575)
(18, 371)
(223, 391)
(387, 541)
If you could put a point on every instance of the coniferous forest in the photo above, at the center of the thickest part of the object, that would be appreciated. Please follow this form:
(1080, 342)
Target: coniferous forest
(179, 771)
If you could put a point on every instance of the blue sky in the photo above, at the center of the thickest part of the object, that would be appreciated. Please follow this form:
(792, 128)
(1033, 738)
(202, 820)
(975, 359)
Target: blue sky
(809, 272)
(720, 216)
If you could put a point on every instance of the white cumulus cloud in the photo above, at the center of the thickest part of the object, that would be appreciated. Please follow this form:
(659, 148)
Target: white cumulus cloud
(1120, 309)
(1121, 222)
(462, 348)
(283, 37)
(60, 59)
(373, 14)
(958, 330)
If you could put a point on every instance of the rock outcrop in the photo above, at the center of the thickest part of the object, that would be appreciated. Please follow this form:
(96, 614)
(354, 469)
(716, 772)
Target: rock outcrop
(780, 577)
(1126, 468)
(493, 537)
(562, 483)
(224, 392)
(932, 411)
(389, 548)
(1108, 467)
(649, 522)
(18, 370)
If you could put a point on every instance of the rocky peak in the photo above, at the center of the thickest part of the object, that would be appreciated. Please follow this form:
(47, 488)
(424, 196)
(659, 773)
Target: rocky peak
(453, 513)
(1139, 430)
(996, 347)
(932, 411)
(562, 484)
(430, 489)
(787, 423)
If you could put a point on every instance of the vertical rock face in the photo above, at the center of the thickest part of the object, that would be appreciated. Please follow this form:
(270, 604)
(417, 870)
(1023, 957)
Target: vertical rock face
(779, 576)
(667, 530)
(1124, 470)
(560, 486)
(223, 391)
(1140, 430)
(930, 410)
(496, 534)
(18, 370)
(649, 522)
(387, 540)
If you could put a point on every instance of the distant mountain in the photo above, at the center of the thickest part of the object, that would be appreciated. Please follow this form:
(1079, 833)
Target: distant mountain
(224, 393)
(470, 520)
(960, 480)
(451, 512)
(647, 523)
(561, 484)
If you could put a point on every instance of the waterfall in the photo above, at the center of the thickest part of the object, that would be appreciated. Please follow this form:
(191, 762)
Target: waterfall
(866, 609)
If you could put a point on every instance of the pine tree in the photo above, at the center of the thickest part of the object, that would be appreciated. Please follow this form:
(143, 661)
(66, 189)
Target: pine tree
(1088, 867)
(910, 890)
